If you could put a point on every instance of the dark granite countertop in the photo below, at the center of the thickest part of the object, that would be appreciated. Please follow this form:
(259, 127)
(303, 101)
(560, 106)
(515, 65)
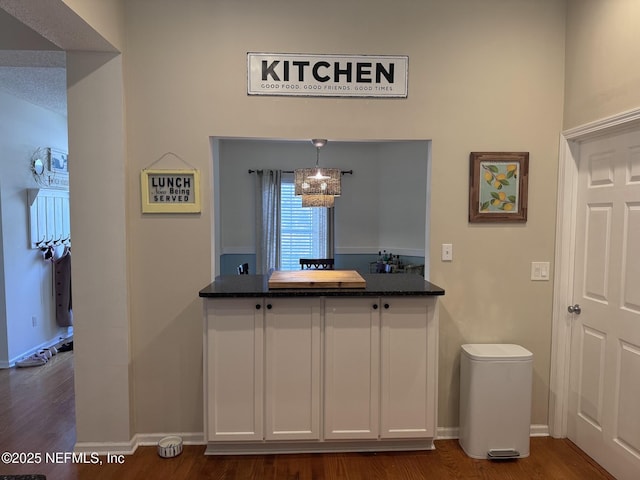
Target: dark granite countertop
(377, 285)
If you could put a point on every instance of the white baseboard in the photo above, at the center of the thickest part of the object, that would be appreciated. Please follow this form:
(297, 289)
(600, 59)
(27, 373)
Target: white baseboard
(330, 446)
(138, 440)
(188, 438)
(539, 430)
(197, 438)
(58, 340)
(105, 448)
(447, 433)
(450, 433)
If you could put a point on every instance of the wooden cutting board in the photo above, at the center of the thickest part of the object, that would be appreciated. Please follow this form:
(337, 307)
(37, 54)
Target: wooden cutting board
(317, 279)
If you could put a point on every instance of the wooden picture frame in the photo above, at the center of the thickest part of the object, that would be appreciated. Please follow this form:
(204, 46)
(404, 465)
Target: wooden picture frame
(58, 161)
(170, 191)
(498, 186)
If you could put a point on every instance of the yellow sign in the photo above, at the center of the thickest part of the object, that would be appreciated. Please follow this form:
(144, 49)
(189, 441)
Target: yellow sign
(170, 191)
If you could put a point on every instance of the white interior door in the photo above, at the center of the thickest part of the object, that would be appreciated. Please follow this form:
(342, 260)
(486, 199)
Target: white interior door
(604, 397)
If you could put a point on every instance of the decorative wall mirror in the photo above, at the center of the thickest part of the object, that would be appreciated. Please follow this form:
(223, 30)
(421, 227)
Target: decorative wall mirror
(37, 166)
(50, 168)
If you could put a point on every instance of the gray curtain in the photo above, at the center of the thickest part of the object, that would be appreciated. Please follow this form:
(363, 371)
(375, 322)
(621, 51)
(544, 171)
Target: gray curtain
(323, 218)
(330, 250)
(267, 220)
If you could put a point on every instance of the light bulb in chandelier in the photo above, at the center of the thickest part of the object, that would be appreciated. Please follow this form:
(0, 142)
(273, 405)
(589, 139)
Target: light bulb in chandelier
(319, 176)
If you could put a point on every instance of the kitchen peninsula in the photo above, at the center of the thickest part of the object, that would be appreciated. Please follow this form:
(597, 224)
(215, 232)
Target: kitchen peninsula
(320, 369)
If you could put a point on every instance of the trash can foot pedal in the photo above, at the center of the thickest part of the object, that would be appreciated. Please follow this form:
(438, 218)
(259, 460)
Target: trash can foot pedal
(503, 454)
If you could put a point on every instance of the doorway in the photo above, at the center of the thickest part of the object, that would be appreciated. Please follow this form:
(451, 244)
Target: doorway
(387, 176)
(596, 328)
(33, 118)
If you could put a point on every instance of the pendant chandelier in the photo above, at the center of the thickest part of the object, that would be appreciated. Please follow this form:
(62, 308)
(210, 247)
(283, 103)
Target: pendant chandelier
(318, 186)
(326, 201)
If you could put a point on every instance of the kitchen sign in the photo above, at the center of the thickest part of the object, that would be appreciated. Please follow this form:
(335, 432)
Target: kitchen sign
(170, 191)
(327, 75)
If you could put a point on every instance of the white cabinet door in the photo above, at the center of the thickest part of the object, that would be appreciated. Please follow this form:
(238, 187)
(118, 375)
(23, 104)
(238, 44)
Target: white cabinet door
(352, 368)
(408, 367)
(234, 366)
(292, 368)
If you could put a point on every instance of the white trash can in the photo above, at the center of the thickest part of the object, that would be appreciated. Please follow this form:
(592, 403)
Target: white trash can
(495, 400)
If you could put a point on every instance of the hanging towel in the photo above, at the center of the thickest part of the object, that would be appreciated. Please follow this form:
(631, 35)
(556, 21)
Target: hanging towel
(62, 269)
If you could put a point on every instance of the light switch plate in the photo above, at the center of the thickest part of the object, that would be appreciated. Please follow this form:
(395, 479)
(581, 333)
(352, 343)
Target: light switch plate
(540, 271)
(447, 252)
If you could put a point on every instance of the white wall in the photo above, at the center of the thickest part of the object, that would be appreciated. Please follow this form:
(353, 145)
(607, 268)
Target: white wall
(4, 340)
(27, 277)
(602, 72)
(105, 16)
(100, 270)
(402, 194)
(388, 178)
(98, 217)
(483, 76)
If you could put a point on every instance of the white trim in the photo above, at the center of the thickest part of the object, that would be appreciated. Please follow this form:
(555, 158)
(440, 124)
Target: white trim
(452, 433)
(261, 448)
(140, 439)
(198, 438)
(59, 340)
(188, 438)
(562, 289)
(410, 252)
(104, 448)
(427, 220)
(205, 369)
(610, 124)
(539, 431)
(447, 433)
(564, 258)
(248, 250)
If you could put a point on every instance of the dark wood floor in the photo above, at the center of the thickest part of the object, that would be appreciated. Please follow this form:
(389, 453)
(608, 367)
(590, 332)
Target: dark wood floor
(37, 417)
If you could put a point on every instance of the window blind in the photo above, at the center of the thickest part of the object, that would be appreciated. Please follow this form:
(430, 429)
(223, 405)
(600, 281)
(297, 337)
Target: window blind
(303, 231)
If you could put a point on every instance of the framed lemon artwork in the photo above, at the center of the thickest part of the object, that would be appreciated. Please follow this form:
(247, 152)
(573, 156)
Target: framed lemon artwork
(498, 186)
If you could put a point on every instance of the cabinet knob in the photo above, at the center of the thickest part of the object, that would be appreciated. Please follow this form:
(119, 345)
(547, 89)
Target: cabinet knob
(269, 307)
(386, 305)
(375, 306)
(258, 306)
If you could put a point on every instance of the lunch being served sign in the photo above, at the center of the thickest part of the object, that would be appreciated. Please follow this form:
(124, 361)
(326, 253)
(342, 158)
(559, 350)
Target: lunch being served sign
(170, 191)
(327, 75)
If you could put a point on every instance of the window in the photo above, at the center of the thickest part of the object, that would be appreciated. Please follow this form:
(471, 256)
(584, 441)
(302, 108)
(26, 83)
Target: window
(304, 232)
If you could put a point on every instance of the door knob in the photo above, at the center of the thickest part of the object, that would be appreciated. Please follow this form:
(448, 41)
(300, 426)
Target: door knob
(574, 309)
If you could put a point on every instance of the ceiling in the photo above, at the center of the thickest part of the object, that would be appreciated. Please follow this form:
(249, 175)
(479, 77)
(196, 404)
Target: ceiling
(36, 77)
(31, 67)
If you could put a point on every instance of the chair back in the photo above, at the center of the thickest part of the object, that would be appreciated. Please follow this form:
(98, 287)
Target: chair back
(316, 264)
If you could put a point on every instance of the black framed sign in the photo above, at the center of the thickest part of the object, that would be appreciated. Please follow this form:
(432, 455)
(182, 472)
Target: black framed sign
(293, 74)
